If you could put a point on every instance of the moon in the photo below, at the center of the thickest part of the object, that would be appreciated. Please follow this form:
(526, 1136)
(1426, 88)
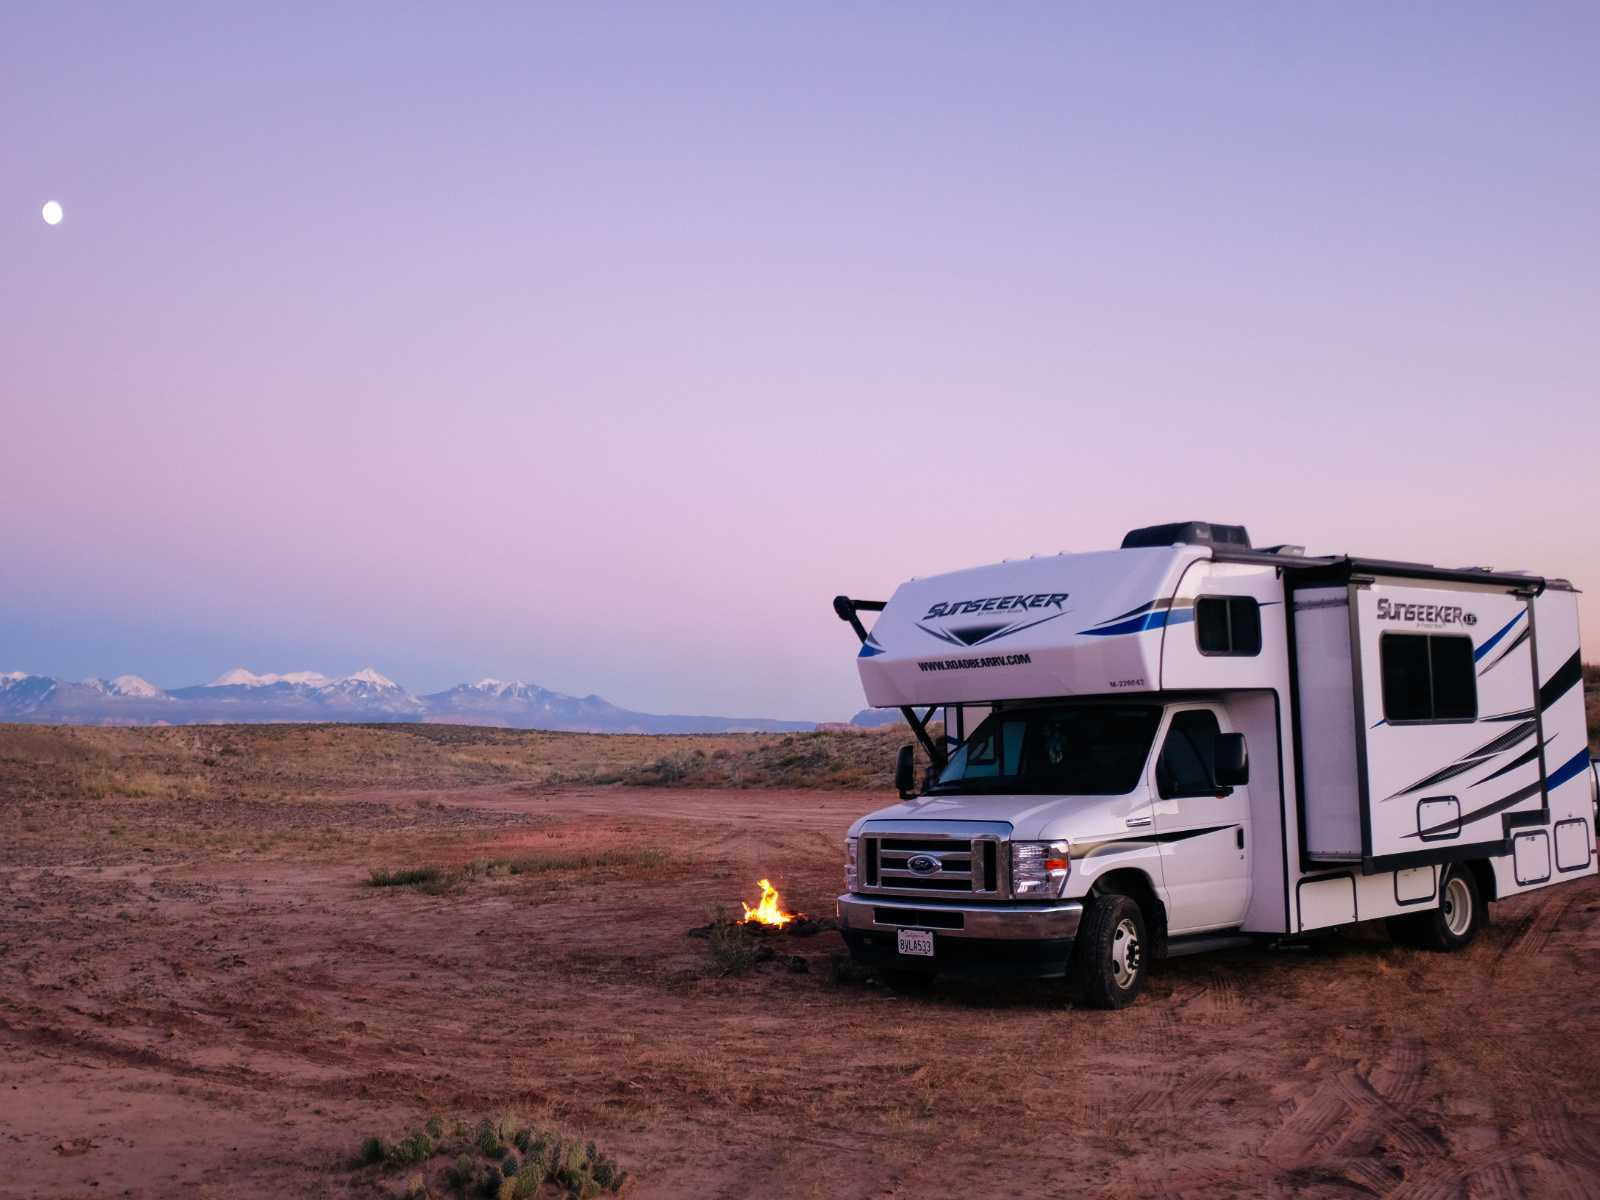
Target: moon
(51, 212)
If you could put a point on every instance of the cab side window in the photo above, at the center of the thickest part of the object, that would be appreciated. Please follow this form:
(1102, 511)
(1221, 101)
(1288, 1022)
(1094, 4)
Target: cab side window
(1184, 768)
(1228, 625)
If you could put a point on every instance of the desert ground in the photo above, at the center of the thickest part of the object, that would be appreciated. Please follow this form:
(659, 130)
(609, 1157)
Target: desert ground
(204, 993)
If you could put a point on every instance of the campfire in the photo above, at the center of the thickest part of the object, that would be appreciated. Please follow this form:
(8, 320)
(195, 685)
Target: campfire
(769, 911)
(767, 920)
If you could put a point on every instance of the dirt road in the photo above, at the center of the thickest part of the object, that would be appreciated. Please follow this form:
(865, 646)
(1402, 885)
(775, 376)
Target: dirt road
(183, 1013)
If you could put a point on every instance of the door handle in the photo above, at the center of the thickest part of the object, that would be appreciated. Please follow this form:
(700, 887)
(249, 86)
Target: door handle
(1239, 836)
(1138, 822)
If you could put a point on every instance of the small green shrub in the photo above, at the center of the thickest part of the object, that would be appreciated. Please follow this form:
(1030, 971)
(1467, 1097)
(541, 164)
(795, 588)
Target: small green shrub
(733, 950)
(407, 877)
(500, 1159)
(414, 1149)
(487, 1140)
(462, 1172)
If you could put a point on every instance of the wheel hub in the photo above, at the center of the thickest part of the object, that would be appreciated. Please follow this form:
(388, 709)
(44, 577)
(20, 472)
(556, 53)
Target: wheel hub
(1456, 906)
(1125, 953)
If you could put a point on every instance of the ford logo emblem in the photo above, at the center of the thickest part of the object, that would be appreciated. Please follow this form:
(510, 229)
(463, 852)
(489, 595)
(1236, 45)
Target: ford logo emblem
(922, 864)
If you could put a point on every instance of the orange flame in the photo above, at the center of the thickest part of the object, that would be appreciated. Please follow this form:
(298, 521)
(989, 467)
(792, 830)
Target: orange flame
(769, 911)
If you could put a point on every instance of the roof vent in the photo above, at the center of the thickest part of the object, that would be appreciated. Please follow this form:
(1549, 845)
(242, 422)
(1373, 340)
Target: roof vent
(1193, 533)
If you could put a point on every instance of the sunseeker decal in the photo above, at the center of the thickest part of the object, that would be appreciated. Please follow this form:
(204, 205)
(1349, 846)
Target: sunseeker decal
(1425, 614)
(946, 620)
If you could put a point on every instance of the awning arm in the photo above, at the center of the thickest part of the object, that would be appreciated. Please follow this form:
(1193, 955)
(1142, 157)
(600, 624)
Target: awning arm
(847, 609)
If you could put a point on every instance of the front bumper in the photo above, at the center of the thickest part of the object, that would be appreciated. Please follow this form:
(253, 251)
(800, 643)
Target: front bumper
(1004, 940)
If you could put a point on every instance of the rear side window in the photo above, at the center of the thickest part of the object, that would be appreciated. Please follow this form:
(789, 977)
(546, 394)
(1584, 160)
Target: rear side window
(1228, 625)
(1184, 768)
(1428, 677)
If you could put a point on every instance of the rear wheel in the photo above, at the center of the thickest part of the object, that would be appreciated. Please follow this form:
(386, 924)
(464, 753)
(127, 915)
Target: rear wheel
(1451, 926)
(1110, 956)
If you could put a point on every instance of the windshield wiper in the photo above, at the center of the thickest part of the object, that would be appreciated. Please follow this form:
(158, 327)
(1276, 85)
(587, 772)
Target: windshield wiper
(977, 786)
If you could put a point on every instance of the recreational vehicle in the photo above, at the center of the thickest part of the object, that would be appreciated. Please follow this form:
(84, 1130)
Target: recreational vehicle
(1188, 743)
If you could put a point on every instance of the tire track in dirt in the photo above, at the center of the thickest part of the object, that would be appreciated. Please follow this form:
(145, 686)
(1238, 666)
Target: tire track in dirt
(1534, 931)
(1173, 1094)
(1557, 1134)
(1356, 1133)
(1498, 1176)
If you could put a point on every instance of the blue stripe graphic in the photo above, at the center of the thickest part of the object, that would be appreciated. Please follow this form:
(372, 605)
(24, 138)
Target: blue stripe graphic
(1573, 767)
(1141, 624)
(1494, 640)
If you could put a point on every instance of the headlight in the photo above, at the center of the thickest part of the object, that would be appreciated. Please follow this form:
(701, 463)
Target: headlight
(1039, 869)
(850, 864)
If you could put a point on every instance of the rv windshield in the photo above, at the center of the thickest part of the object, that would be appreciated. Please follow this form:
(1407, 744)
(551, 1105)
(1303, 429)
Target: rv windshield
(1068, 749)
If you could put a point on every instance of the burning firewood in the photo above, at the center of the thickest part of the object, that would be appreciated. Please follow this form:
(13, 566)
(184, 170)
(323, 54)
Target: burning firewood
(770, 909)
(769, 918)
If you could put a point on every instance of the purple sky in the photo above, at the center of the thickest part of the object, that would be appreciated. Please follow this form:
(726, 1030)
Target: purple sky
(601, 347)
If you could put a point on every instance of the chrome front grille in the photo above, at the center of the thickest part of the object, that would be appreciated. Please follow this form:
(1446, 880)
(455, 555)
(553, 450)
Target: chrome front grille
(931, 865)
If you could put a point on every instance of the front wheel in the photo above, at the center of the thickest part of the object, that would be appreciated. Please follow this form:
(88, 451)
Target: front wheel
(1110, 955)
(1451, 926)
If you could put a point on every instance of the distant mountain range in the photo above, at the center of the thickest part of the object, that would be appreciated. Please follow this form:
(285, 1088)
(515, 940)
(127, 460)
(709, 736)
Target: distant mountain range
(366, 696)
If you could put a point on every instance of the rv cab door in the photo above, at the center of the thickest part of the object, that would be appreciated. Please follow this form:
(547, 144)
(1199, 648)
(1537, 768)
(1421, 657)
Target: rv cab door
(1203, 829)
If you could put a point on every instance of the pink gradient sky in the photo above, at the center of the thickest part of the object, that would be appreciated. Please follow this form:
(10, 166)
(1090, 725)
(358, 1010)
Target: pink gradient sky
(602, 348)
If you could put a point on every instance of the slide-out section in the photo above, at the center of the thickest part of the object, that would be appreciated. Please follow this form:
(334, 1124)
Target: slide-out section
(1325, 694)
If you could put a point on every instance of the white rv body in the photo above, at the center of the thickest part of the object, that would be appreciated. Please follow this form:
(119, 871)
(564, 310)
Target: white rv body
(1402, 722)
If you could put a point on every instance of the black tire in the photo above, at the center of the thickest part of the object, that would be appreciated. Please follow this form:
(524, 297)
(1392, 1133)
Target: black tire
(907, 983)
(1111, 955)
(1452, 925)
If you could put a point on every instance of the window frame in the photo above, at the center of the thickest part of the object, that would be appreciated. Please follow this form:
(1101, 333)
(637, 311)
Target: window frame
(1214, 791)
(1433, 707)
(1228, 600)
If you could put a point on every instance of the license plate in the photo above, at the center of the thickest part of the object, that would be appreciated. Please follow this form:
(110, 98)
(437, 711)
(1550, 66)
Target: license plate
(916, 941)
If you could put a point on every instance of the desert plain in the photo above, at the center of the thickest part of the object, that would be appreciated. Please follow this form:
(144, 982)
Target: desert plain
(230, 956)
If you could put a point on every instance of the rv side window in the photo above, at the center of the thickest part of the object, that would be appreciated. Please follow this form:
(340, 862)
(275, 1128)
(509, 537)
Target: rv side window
(1227, 625)
(1184, 768)
(1428, 677)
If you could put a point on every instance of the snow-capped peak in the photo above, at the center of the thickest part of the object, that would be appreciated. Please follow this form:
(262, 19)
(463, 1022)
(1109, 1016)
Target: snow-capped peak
(368, 676)
(240, 677)
(133, 686)
(499, 687)
(14, 676)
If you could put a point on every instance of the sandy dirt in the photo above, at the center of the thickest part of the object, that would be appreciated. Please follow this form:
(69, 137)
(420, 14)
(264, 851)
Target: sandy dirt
(210, 1001)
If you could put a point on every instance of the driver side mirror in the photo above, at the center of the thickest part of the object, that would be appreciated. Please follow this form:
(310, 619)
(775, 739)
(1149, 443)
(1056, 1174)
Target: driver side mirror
(905, 772)
(1230, 760)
